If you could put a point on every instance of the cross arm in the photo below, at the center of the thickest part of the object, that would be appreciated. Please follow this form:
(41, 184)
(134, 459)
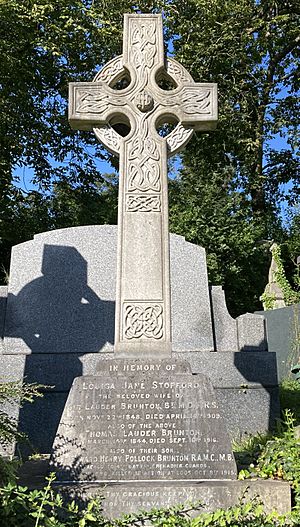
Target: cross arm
(195, 105)
(92, 104)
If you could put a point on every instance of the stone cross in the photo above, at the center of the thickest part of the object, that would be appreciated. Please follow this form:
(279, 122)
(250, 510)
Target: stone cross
(143, 311)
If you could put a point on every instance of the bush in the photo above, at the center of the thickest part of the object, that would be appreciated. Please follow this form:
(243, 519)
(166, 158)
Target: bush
(13, 394)
(279, 458)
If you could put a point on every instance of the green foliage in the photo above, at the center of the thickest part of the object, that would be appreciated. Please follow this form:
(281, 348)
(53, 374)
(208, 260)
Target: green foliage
(268, 300)
(203, 212)
(228, 196)
(290, 296)
(279, 458)
(290, 398)
(20, 507)
(46, 44)
(229, 193)
(8, 470)
(249, 514)
(247, 450)
(14, 394)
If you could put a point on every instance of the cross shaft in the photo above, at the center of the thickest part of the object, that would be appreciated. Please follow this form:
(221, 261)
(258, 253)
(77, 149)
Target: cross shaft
(143, 312)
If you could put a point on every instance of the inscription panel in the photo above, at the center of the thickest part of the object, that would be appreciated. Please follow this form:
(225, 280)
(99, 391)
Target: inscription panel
(134, 366)
(132, 497)
(144, 426)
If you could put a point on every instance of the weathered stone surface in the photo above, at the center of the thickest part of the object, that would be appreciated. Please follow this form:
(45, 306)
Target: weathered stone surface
(231, 375)
(142, 427)
(12, 368)
(283, 337)
(3, 299)
(60, 292)
(41, 420)
(251, 332)
(10, 371)
(191, 312)
(132, 497)
(70, 274)
(230, 370)
(224, 326)
(273, 289)
(247, 410)
(143, 302)
(131, 367)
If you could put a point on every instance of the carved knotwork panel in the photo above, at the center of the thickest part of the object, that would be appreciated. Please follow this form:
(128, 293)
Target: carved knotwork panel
(142, 44)
(111, 72)
(143, 203)
(143, 319)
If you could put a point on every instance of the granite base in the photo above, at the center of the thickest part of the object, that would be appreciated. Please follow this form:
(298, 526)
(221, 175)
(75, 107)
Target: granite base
(130, 497)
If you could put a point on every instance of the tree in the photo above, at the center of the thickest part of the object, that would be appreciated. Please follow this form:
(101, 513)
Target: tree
(229, 193)
(45, 45)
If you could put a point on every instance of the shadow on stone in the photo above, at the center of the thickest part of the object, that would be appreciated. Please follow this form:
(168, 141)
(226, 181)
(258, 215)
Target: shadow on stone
(58, 312)
(75, 470)
(57, 315)
(254, 373)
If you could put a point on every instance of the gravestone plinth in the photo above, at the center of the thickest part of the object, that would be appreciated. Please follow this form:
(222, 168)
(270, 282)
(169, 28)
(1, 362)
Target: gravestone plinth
(143, 421)
(121, 498)
(149, 434)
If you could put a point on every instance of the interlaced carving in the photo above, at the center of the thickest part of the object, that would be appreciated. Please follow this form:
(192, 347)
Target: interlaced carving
(175, 70)
(92, 102)
(108, 136)
(143, 259)
(143, 203)
(143, 166)
(143, 44)
(112, 69)
(178, 137)
(197, 103)
(143, 320)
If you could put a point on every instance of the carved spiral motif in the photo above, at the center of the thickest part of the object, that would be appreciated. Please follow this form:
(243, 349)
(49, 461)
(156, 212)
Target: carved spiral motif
(144, 101)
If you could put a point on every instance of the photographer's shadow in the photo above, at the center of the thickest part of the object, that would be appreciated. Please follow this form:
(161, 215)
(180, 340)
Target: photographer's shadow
(58, 312)
(60, 318)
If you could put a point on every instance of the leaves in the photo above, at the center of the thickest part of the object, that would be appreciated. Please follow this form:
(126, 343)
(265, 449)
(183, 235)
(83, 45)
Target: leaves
(230, 194)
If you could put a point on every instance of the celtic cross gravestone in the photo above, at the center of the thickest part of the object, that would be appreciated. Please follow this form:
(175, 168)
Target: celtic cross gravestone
(144, 427)
(143, 321)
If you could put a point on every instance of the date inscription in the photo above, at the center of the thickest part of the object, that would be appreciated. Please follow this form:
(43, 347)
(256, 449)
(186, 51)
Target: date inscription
(146, 426)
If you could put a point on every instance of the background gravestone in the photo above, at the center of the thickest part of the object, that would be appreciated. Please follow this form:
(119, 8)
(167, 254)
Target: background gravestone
(283, 333)
(70, 274)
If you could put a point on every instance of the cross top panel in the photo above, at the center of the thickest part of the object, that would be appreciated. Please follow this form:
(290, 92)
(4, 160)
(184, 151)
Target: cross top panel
(99, 106)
